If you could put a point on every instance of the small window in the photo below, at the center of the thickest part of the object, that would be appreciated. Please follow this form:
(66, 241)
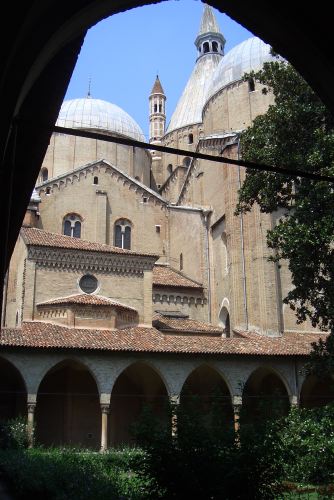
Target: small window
(45, 174)
(170, 169)
(157, 229)
(96, 180)
(206, 47)
(251, 85)
(160, 108)
(72, 226)
(214, 46)
(145, 199)
(48, 190)
(88, 283)
(181, 261)
(155, 108)
(190, 138)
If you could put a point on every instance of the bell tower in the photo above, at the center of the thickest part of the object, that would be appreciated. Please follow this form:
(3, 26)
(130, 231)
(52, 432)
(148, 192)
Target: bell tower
(157, 105)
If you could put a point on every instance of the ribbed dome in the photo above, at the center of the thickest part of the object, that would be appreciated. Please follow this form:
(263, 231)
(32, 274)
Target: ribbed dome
(189, 108)
(245, 57)
(95, 114)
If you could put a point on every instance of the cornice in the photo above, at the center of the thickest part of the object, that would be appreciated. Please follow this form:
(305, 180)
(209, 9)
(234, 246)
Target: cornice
(63, 258)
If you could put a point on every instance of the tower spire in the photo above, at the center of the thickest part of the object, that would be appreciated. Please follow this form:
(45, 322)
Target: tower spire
(209, 39)
(157, 112)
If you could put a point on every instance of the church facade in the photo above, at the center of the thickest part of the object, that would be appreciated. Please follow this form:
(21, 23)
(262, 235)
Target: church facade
(133, 281)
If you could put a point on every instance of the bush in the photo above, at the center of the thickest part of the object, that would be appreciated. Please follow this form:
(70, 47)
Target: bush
(14, 434)
(205, 460)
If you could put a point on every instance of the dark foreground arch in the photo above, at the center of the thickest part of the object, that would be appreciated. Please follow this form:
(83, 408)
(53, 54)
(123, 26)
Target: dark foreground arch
(13, 394)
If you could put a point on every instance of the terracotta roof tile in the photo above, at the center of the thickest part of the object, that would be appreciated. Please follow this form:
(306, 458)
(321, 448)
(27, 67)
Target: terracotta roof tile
(185, 325)
(85, 299)
(38, 334)
(38, 237)
(166, 276)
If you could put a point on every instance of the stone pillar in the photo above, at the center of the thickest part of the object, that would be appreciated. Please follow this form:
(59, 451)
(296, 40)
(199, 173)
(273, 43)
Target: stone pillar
(294, 402)
(174, 401)
(237, 405)
(146, 317)
(31, 406)
(105, 408)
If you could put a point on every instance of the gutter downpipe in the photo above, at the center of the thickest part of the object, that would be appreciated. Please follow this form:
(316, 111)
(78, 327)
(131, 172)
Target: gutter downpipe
(244, 283)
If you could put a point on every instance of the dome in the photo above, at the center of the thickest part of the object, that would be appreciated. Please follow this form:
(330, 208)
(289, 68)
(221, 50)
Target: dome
(189, 108)
(249, 55)
(95, 114)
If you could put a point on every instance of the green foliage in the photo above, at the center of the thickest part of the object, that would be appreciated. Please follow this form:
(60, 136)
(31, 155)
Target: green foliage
(306, 440)
(296, 132)
(62, 474)
(206, 460)
(13, 434)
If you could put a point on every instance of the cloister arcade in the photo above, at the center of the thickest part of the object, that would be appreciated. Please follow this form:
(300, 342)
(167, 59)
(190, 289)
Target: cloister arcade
(92, 400)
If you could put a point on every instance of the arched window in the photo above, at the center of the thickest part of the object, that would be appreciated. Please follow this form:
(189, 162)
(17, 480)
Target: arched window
(44, 174)
(186, 161)
(72, 225)
(160, 108)
(155, 108)
(123, 234)
(251, 85)
(224, 321)
(181, 261)
(170, 169)
(214, 46)
(190, 138)
(96, 180)
(206, 47)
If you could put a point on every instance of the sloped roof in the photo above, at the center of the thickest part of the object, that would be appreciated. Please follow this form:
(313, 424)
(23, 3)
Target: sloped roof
(85, 299)
(166, 276)
(208, 22)
(39, 237)
(164, 323)
(37, 334)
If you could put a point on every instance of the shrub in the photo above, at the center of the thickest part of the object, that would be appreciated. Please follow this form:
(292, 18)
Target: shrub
(14, 434)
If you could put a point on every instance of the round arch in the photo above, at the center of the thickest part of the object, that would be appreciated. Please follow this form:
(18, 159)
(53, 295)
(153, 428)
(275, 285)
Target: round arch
(265, 395)
(316, 391)
(137, 386)
(68, 407)
(13, 392)
(224, 317)
(206, 391)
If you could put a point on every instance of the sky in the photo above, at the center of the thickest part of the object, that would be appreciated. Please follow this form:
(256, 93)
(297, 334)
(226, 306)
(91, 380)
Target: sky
(122, 55)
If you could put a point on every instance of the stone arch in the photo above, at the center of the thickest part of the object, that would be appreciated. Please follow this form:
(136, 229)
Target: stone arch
(138, 385)
(316, 391)
(13, 391)
(68, 407)
(207, 391)
(265, 395)
(224, 317)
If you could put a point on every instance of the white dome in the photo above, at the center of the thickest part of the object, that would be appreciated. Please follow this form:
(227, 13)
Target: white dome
(249, 55)
(95, 114)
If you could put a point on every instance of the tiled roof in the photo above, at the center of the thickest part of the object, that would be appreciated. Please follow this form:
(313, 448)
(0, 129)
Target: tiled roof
(157, 87)
(184, 325)
(38, 334)
(165, 276)
(34, 236)
(86, 299)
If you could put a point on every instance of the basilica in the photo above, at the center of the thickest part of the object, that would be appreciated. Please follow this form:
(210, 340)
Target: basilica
(133, 281)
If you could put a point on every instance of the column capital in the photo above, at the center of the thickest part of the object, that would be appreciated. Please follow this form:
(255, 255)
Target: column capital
(105, 407)
(175, 399)
(237, 400)
(294, 400)
(31, 406)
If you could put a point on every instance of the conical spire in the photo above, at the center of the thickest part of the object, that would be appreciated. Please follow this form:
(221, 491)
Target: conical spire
(208, 22)
(157, 87)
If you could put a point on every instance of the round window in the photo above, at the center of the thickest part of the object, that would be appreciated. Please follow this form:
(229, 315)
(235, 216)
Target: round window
(88, 283)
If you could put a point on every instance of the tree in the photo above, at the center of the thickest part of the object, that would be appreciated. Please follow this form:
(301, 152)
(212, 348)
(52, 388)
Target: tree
(297, 131)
